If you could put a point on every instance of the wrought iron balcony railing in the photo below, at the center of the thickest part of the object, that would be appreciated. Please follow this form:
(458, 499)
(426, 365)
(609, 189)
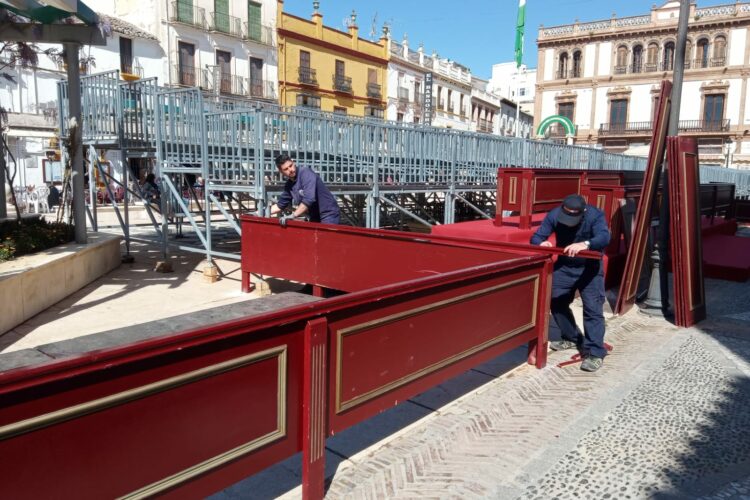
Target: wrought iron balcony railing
(374, 91)
(700, 62)
(342, 83)
(184, 75)
(645, 128)
(260, 33)
(262, 89)
(557, 130)
(484, 125)
(717, 62)
(129, 68)
(224, 23)
(186, 13)
(403, 94)
(621, 69)
(307, 75)
(562, 74)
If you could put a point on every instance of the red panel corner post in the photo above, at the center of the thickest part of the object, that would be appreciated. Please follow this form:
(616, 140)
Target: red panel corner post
(314, 409)
(538, 347)
(499, 197)
(528, 188)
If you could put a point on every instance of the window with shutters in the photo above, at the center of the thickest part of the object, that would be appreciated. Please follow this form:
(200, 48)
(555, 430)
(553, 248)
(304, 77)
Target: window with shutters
(577, 58)
(618, 113)
(637, 59)
(254, 21)
(720, 49)
(713, 109)
(221, 15)
(668, 64)
(701, 53)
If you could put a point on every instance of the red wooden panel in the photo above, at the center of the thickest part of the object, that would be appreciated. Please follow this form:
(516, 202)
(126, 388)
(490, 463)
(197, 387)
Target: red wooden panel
(397, 348)
(349, 259)
(637, 248)
(685, 231)
(550, 190)
(603, 178)
(609, 199)
(141, 426)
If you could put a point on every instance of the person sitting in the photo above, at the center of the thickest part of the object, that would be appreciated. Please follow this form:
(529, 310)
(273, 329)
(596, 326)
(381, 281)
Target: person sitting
(150, 189)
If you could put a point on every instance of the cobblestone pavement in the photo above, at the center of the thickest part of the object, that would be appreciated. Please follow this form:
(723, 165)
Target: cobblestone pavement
(667, 416)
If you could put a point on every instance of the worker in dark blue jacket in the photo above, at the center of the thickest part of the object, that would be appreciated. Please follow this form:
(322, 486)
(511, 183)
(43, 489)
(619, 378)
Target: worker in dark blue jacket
(306, 193)
(577, 227)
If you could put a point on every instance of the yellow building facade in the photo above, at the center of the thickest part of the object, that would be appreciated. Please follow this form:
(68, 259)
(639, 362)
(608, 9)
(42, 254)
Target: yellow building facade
(330, 70)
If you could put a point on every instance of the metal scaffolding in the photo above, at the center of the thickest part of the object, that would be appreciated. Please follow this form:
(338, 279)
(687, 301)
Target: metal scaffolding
(385, 174)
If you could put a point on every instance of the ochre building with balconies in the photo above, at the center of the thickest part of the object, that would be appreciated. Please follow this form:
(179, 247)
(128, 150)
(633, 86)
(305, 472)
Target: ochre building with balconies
(330, 70)
(604, 76)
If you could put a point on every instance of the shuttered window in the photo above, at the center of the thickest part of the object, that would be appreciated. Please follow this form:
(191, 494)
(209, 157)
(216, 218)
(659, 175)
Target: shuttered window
(254, 21)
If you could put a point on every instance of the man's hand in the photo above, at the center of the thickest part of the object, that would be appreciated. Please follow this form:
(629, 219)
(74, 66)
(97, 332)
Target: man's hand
(545, 244)
(573, 249)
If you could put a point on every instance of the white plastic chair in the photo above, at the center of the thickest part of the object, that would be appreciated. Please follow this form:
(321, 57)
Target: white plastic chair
(43, 196)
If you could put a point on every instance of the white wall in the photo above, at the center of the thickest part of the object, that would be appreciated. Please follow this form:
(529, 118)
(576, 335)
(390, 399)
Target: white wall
(549, 64)
(640, 104)
(548, 104)
(737, 38)
(690, 101)
(589, 56)
(583, 108)
(605, 58)
(601, 114)
(734, 95)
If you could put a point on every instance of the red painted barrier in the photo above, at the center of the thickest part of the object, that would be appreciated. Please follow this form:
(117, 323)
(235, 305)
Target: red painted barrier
(187, 414)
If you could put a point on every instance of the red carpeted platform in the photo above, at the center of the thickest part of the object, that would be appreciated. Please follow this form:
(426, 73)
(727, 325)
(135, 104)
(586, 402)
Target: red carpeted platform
(726, 257)
(717, 225)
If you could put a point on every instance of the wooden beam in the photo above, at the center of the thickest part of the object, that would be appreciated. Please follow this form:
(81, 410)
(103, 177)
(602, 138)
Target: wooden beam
(51, 33)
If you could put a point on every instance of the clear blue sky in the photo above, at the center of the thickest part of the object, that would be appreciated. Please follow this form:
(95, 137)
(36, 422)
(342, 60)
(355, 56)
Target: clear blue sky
(475, 33)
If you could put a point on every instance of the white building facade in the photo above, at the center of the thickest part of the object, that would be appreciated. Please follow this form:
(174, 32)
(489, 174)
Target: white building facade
(31, 97)
(516, 84)
(604, 75)
(406, 80)
(223, 46)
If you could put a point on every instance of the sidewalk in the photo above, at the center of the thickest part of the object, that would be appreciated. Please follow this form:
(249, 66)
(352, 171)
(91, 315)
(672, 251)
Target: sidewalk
(667, 416)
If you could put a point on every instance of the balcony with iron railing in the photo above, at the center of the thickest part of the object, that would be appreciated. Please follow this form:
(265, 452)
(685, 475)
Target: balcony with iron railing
(403, 94)
(186, 13)
(307, 75)
(256, 32)
(646, 128)
(224, 23)
(184, 75)
(484, 125)
(563, 74)
(261, 89)
(374, 91)
(557, 130)
(130, 69)
(342, 83)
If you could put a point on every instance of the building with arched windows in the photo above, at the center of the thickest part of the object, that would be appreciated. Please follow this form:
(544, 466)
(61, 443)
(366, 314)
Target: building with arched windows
(604, 76)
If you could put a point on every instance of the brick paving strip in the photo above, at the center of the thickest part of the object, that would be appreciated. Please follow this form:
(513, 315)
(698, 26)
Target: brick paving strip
(661, 414)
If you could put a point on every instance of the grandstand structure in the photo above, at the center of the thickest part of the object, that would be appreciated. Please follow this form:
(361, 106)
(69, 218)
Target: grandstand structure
(384, 174)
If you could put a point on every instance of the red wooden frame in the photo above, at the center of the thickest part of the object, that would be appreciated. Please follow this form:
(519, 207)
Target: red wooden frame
(637, 248)
(189, 413)
(532, 190)
(685, 231)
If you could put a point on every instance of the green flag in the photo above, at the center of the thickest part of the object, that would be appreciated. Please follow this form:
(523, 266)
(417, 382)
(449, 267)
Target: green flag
(519, 31)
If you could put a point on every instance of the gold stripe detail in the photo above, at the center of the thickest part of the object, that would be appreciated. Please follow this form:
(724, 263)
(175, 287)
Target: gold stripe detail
(512, 190)
(601, 201)
(234, 453)
(340, 334)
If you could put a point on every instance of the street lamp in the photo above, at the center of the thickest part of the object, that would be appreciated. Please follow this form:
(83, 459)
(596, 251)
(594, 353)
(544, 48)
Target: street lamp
(729, 148)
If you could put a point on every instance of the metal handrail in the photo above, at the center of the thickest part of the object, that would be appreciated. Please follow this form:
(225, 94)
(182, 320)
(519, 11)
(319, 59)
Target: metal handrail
(224, 23)
(374, 90)
(186, 13)
(645, 128)
(184, 75)
(257, 32)
(307, 75)
(342, 83)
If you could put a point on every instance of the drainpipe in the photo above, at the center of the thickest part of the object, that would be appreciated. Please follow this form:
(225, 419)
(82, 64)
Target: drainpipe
(169, 44)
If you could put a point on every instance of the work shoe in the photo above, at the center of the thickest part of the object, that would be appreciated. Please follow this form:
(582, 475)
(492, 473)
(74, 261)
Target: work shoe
(591, 364)
(562, 345)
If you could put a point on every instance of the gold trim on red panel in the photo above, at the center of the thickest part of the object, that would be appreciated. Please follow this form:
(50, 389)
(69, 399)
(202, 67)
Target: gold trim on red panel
(512, 190)
(359, 328)
(89, 407)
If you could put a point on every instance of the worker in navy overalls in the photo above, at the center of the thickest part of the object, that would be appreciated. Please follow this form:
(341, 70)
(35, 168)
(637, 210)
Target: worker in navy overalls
(305, 193)
(577, 227)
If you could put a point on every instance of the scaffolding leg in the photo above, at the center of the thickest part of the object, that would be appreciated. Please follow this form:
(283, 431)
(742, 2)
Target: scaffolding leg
(164, 265)
(127, 258)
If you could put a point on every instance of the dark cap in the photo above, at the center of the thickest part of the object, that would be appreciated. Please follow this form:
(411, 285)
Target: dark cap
(572, 210)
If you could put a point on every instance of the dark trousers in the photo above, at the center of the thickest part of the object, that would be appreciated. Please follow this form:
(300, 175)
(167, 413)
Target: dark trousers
(589, 282)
